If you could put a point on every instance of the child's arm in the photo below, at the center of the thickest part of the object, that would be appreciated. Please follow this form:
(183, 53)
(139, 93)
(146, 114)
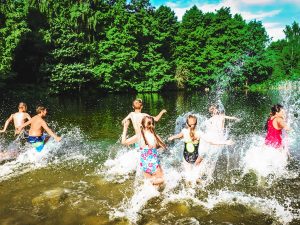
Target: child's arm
(157, 118)
(126, 118)
(232, 118)
(226, 142)
(28, 117)
(50, 132)
(130, 140)
(24, 125)
(282, 124)
(7, 123)
(176, 136)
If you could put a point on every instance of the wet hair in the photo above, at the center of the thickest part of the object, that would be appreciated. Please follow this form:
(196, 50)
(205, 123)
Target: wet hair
(150, 126)
(192, 128)
(214, 107)
(22, 106)
(40, 109)
(274, 109)
(137, 103)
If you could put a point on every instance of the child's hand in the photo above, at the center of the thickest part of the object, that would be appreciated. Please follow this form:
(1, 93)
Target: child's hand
(198, 161)
(229, 142)
(58, 139)
(163, 111)
(170, 139)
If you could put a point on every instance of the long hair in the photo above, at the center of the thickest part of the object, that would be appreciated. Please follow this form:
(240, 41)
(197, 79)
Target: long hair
(192, 128)
(274, 109)
(150, 127)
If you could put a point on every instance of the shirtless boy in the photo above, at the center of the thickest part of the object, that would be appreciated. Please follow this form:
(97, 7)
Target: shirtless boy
(18, 118)
(37, 127)
(137, 116)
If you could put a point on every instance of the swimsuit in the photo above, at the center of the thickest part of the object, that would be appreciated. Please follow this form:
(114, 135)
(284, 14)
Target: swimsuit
(37, 141)
(190, 152)
(273, 137)
(149, 161)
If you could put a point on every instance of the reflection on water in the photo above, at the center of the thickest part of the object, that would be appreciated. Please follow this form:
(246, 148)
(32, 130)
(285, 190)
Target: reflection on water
(89, 178)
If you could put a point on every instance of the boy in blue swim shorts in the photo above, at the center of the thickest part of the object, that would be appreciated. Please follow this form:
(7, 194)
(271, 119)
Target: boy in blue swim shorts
(37, 127)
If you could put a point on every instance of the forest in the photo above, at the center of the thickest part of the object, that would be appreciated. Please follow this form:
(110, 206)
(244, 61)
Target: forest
(119, 45)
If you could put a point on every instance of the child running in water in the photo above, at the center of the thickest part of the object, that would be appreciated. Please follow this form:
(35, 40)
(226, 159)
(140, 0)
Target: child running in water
(191, 138)
(37, 127)
(137, 116)
(149, 142)
(275, 124)
(19, 118)
(216, 124)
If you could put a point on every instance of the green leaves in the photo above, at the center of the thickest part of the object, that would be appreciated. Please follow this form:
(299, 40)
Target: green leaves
(119, 45)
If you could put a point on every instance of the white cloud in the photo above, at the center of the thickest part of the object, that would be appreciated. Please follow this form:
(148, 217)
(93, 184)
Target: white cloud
(275, 30)
(295, 2)
(257, 2)
(236, 8)
(234, 5)
(179, 11)
(259, 15)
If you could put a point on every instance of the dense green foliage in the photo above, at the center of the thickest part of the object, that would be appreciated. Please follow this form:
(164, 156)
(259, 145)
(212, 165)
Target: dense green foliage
(116, 45)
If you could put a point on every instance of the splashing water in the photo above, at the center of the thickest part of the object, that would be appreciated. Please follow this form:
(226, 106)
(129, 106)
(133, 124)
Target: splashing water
(238, 184)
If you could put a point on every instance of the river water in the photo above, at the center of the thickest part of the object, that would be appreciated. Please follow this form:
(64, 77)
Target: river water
(89, 178)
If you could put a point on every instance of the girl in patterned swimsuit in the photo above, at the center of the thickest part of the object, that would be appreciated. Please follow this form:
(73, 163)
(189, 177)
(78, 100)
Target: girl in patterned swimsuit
(149, 142)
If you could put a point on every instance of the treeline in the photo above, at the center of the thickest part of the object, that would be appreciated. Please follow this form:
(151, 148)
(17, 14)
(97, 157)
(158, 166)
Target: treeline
(116, 45)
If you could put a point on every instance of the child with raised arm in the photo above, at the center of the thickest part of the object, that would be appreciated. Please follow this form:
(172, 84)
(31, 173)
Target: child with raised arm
(216, 124)
(136, 116)
(191, 138)
(275, 124)
(37, 127)
(149, 142)
(19, 118)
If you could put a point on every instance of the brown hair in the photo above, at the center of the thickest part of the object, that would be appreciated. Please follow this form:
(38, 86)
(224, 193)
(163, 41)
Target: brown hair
(137, 103)
(22, 106)
(150, 127)
(274, 109)
(212, 108)
(192, 128)
(39, 109)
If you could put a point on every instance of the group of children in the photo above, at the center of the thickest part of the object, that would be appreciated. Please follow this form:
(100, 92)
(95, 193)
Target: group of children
(147, 141)
(35, 135)
(145, 138)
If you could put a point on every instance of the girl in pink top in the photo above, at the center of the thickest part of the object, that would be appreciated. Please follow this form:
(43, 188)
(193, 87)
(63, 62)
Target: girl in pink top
(274, 126)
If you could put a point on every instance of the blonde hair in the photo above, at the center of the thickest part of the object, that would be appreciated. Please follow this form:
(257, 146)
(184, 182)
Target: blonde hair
(192, 128)
(40, 109)
(137, 103)
(150, 127)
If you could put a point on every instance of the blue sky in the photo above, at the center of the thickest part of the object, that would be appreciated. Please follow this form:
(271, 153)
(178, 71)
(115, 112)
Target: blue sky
(274, 14)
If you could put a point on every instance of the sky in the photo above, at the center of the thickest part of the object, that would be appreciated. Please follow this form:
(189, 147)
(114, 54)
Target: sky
(274, 14)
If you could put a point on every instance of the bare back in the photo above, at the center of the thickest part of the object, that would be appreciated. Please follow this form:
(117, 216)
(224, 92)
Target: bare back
(136, 119)
(216, 123)
(36, 128)
(19, 118)
(150, 139)
(278, 122)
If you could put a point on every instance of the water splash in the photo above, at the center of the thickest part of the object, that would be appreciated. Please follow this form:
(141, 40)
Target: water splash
(70, 150)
